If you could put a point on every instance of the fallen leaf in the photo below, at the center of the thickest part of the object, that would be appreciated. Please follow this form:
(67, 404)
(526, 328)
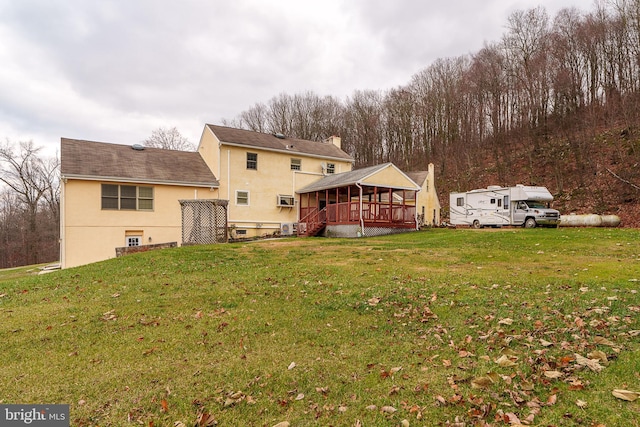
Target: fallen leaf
(553, 374)
(581, 404)
(505, 321)
(371, 408)
(505, 361)
(282, 424)
(388, 409)
(300, 396)
(205, 420)
(598, 355)
(551, 400)
(441, 400)
(545, 343)
(589, 363)
(627, 395)
(603, 341)
(148, 352)
(291, 365)
(481, 382)
(165, 405)
(322, 390)
(511, 418)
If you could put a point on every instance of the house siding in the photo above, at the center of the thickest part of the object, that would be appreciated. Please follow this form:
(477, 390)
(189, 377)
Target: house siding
(272, 177)
(91, 234)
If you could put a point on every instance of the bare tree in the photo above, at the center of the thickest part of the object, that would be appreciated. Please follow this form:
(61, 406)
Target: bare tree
(168, 139)
(31, 179)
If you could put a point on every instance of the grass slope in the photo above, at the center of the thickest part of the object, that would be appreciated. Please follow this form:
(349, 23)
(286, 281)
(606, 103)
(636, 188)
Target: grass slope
(443, 327)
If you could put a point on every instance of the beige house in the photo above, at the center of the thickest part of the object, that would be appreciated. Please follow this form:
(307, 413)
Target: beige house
(428, 207)
(117, 196)
(260, 174)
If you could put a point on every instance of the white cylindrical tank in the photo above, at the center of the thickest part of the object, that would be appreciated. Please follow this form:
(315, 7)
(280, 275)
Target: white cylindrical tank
(589, 220)
(610, 220)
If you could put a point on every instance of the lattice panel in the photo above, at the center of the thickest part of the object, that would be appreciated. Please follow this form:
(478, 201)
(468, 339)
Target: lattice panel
(382, 231)
(204, 222)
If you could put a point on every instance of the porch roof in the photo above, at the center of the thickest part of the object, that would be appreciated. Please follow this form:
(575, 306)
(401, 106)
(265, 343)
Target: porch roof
(358, 177)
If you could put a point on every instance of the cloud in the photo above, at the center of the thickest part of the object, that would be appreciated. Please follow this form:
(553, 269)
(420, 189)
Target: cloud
(115, 70)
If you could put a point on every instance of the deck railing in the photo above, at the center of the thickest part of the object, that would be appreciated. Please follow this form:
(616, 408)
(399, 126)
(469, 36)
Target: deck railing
(375, 214)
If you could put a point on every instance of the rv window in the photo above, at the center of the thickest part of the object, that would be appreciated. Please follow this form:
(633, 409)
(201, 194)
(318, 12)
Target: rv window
(493, 201)
(460, 201)
(499, 202)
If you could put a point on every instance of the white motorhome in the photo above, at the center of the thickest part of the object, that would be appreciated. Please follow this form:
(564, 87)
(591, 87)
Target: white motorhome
(496, 206)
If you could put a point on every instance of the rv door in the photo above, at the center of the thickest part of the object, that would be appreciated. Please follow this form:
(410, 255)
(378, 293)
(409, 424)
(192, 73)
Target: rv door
(502, 211)
(520, 210)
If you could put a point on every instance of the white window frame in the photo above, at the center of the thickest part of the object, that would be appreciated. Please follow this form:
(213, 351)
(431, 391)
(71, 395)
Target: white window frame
(296, 164)
(252, 164)
(131, 241)
(331, 168)
(118, 198)
(237, 197)
(286, 198)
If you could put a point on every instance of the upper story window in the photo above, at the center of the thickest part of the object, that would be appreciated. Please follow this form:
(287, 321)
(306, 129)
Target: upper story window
(127, 197)
(296, 164)
(252, 161)
(331, 168)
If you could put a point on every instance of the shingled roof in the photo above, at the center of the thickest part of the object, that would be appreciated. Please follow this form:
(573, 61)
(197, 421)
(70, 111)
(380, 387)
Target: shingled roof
(419, 177)
(345, 178)
(267, 141)
(116, 162)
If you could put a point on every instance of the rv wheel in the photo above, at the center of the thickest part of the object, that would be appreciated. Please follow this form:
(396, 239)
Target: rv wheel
(476, 224)
(530, 223)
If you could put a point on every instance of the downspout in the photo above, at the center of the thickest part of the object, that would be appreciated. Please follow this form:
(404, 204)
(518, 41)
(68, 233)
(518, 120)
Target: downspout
(361, 216)
(62, 213)
(229, 176)
(416, 214)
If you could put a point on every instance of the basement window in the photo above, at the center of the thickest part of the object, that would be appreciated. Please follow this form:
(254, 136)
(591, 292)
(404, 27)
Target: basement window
(133, 241)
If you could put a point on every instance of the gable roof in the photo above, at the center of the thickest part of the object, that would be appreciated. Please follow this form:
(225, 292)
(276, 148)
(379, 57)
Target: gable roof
(344, 179)
(267, 141)
(115, 162)
(419, 177)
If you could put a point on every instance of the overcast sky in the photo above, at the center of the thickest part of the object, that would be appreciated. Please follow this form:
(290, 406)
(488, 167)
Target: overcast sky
(114, 70)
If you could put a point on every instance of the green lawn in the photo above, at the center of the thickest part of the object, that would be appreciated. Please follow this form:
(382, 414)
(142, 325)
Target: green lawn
(441, 327)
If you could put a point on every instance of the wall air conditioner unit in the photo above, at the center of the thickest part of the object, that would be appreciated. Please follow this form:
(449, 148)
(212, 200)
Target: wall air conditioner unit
(288, 229)
(286, 201)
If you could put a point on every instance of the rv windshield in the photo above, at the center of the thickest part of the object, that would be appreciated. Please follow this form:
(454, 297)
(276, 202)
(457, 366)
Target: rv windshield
(536, 205)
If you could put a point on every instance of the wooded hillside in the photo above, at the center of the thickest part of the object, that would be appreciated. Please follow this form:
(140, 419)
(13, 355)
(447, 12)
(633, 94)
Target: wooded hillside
(555, 102)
